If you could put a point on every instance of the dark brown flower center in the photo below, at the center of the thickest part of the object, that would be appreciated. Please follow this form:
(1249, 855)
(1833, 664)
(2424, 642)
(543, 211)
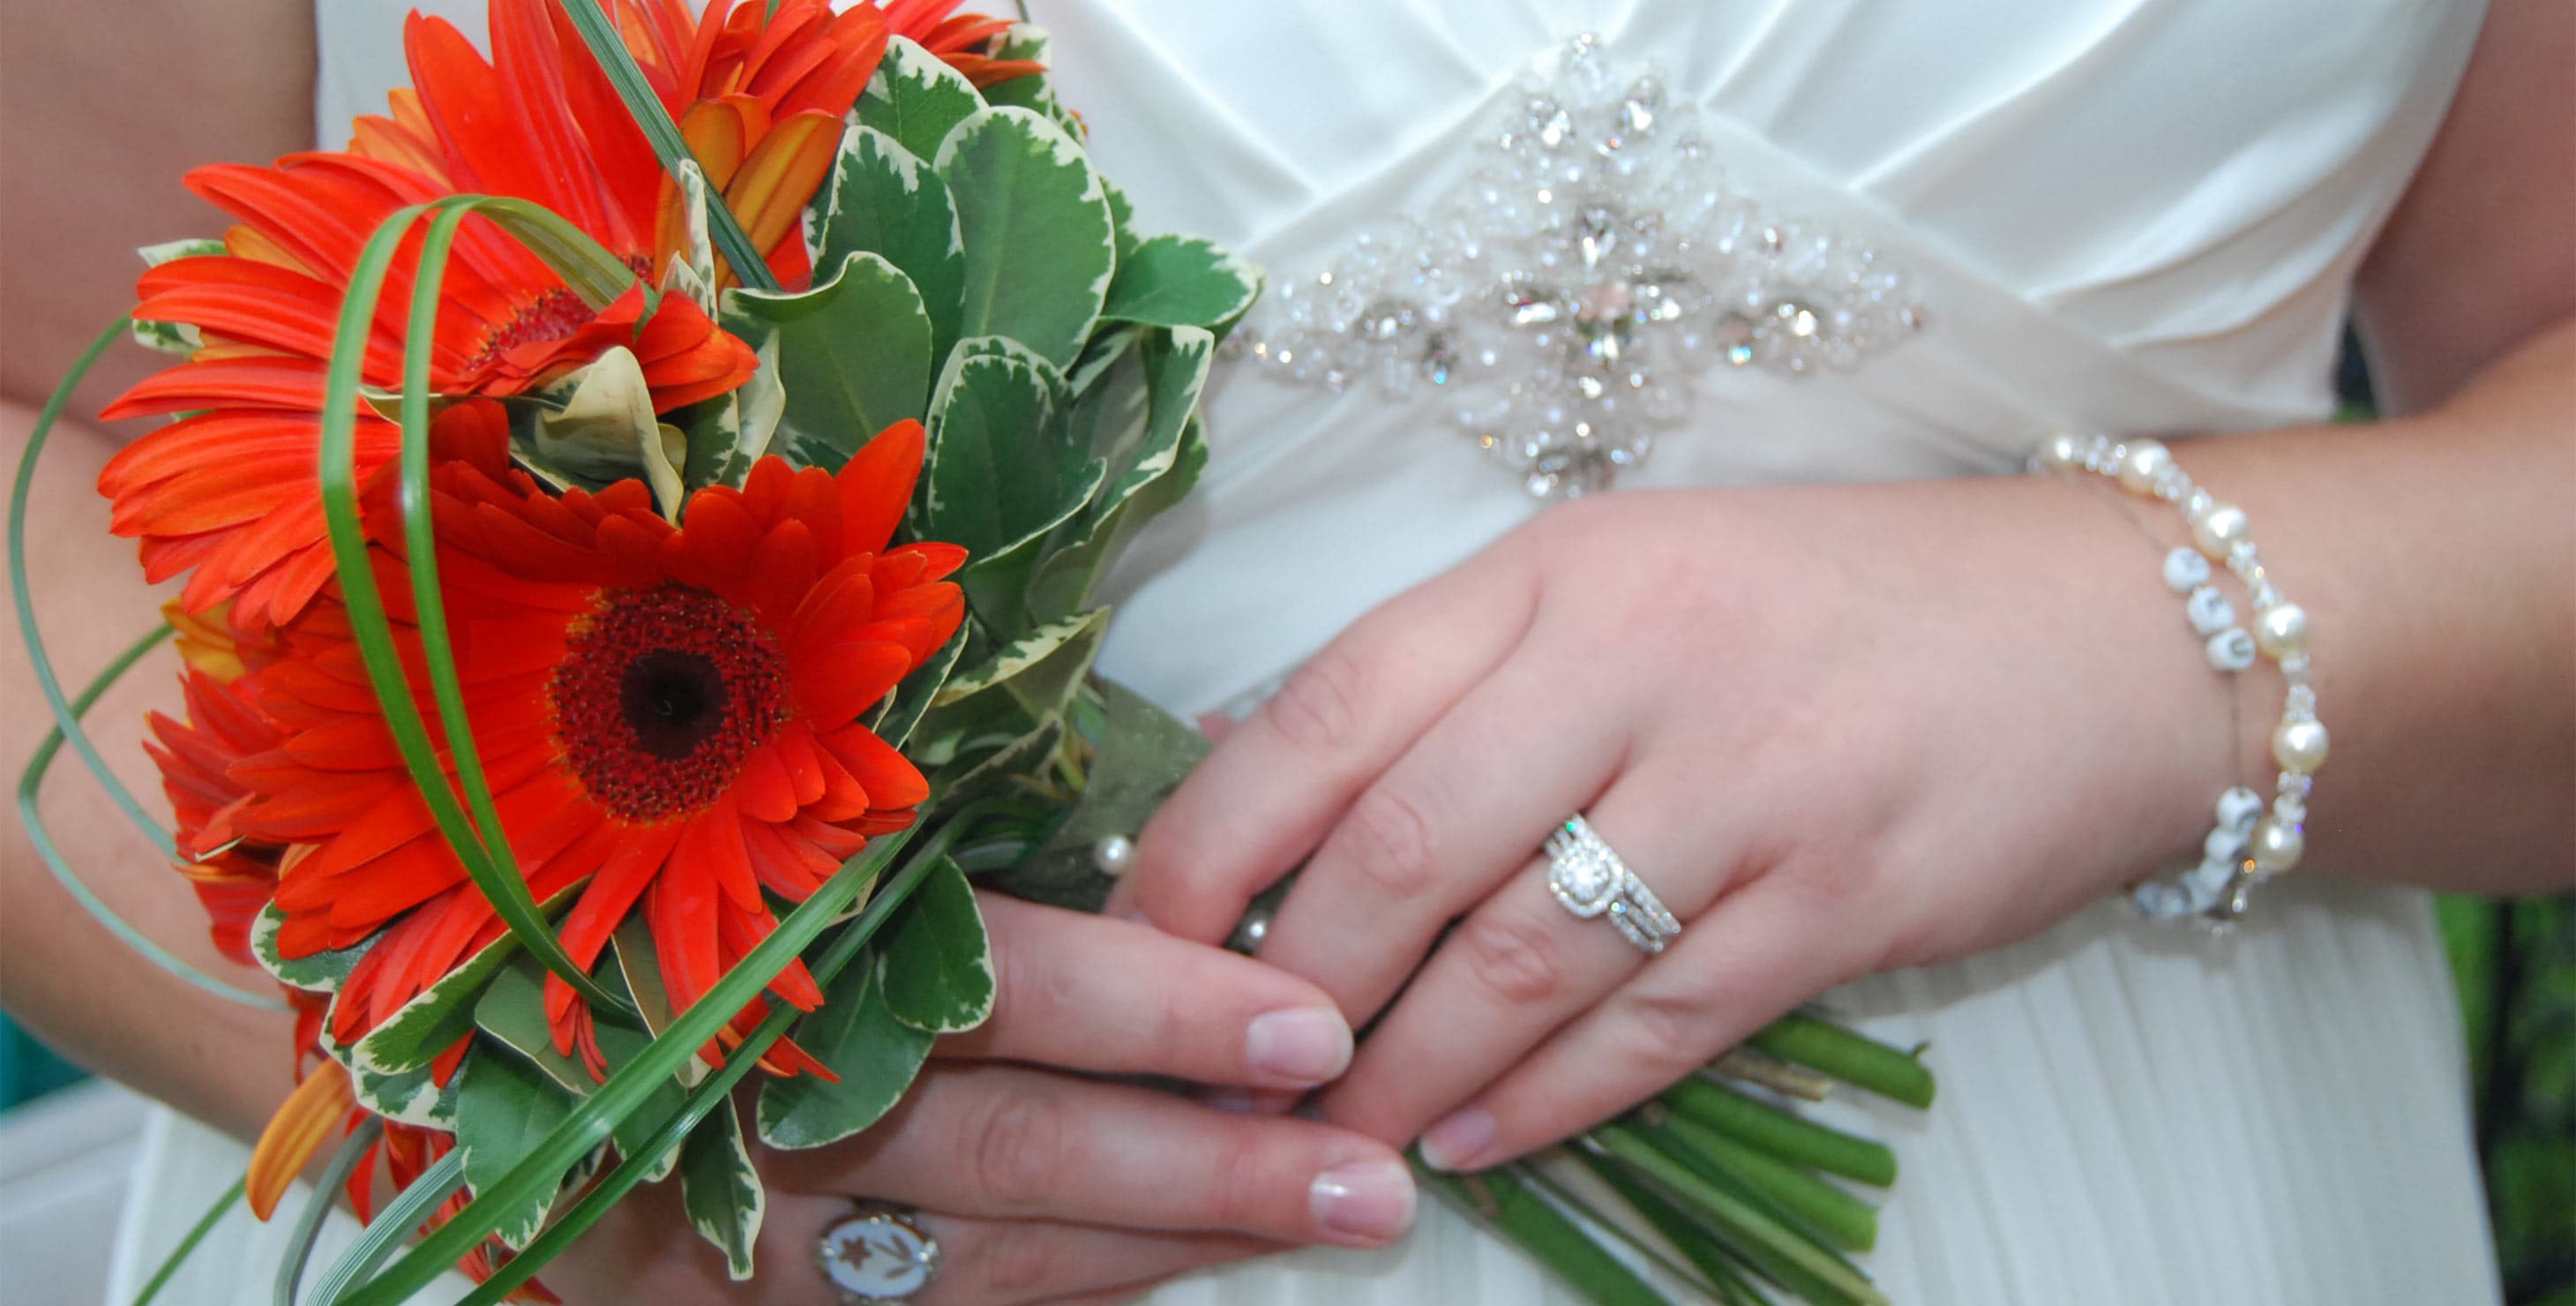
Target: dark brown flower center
(661, 696)
(555, 316)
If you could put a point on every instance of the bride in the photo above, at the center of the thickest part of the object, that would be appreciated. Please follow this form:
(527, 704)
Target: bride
(1882, 726)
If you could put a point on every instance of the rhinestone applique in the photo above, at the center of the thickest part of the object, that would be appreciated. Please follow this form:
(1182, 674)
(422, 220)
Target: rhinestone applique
(1593, 249)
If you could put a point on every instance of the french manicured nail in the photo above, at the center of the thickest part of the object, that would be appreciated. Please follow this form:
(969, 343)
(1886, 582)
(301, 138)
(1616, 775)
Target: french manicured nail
(1365, 1205)
(1455, 1143)
(1302, 1046)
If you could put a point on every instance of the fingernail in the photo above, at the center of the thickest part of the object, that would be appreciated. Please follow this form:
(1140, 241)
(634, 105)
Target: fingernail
(1365, 1205)
(1455, 1143)
(1302, 1046)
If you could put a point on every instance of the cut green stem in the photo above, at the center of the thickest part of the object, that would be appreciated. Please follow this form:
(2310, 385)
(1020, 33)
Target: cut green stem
(1848, 1221)
(1856, 1060)
(1501, 1200)
(1758, 1124)
(1787, 1256)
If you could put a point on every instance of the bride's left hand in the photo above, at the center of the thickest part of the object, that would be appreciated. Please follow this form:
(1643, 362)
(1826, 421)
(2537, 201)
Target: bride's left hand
(1838, 730)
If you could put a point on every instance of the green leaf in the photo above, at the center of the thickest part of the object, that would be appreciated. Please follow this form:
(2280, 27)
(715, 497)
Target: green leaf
(1040, 250)
(432, 1021)
(1141, 753)
(938, 962)
(409, 1096)
(721, 1190)
(641, 972)
(856, 1034)
(916, 98)
(1034, 649)
(902, 709)
(1172, 281)
(513, 1010)
(596, 427)
(1002, 474)
(1059, 392)
(504, 1108)
(1064, 581)
(323, 972)
(1036, 91)
(884, 199)
(854, 355)
(727, 434)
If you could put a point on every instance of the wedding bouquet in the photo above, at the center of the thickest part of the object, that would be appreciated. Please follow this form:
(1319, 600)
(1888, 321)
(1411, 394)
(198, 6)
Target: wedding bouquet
(641, 507)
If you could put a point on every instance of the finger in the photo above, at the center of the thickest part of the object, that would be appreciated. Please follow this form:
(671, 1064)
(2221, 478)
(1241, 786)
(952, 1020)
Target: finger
(1277, 782)
(1454, 817)
(1764, 949)
(997, 1141)
(1085, 992)
(1518, 967)
(1009, 1262)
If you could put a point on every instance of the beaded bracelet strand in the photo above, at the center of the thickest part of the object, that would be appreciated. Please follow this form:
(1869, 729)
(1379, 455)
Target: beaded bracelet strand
(2246, 845)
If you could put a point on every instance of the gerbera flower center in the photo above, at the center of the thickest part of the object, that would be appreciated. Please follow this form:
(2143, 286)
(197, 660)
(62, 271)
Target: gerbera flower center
(555, 316)
(661, 696)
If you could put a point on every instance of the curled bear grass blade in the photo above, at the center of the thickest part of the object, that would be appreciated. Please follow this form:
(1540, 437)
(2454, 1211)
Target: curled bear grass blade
(398, 1218)
(486, 860)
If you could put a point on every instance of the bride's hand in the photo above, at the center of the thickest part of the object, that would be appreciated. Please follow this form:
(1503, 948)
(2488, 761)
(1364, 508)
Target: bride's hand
(1041, 1185)
(1837, 730)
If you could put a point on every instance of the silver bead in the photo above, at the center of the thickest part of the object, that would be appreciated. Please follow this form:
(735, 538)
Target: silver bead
(2300, 746)
(2282, 631)
(2276, 847)
(1113, 855)
(2218, 531)
(2223, 845)
(2238, 809)
(2230, 649)
(2209, 610)
(2186, 570)
(2142, 464)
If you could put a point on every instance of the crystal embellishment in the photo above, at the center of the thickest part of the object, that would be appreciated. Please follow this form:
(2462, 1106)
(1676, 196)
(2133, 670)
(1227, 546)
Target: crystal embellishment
(1562, 300)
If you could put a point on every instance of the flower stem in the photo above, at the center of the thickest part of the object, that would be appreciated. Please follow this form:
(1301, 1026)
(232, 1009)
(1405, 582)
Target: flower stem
(1777, 1133)
(1502, 1200)
(1847, 1220)
(187, 1246)
(1862, 1062)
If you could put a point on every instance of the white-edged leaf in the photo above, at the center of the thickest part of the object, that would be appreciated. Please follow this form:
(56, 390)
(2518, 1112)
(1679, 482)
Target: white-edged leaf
(596, 427)
(431, 1022)
(938, 961)
(857, 1035)
(883, 199)
(1001, 474)
(323, 972)
(854, 355)
(894, 719)
(1030, 650)
(1040, 249)
(505, 1107)
(1178, 281)
(916, 98)
(721, 1190)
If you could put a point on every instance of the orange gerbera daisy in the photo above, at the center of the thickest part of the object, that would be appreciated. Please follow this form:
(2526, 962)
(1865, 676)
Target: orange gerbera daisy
(231, 489)
(669, 714)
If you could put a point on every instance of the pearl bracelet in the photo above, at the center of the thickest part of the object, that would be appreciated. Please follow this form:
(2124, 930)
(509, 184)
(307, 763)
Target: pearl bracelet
(2245, 845)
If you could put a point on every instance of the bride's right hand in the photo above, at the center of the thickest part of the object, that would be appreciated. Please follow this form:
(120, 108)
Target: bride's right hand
(1044, 1185)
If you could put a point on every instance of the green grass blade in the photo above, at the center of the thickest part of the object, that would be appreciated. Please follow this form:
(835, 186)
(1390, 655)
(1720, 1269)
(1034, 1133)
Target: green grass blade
(326, 1194)
(31, 785)
(179, 1255)
(507, 892)
(1863, 1062)
(600, 34)
(23, 594)
(706, 1097)
(590, 1123)
(405, 1213)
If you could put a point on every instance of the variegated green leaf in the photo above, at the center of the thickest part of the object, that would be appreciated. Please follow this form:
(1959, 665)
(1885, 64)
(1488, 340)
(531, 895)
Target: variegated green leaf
(856, 1034)
(504, 1108)
(883, 199)
(938, 962)
(1037, 90)
(323, 972)
(1040, 247)
(854, 355)
(1176, 281)
(1002, 474)
(895, 718)
(1038, 648)
(727, 434)
(432, 1022)
(916, 98)
(721, 1190)
(596, 427)
(641, 971)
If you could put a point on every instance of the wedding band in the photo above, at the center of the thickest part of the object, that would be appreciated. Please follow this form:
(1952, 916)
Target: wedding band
(1589, 880)
(878, 1255)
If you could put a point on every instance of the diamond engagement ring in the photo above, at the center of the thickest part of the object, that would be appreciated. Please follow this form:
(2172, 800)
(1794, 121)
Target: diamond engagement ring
(1590, 880)
(878, 1255)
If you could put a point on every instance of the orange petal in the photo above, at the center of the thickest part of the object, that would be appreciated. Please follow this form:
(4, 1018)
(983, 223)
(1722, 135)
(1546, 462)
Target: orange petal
(309, 1114)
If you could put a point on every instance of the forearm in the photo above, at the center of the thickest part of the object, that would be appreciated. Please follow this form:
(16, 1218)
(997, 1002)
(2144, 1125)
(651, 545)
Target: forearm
(61, 974)
(2436, 556)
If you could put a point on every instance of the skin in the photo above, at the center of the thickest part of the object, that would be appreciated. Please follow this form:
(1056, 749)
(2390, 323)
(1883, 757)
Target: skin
(1892, 726)
(2434, 552)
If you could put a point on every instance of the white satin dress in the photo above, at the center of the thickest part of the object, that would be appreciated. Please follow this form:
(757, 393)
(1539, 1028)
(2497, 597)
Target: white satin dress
(1988, 220)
